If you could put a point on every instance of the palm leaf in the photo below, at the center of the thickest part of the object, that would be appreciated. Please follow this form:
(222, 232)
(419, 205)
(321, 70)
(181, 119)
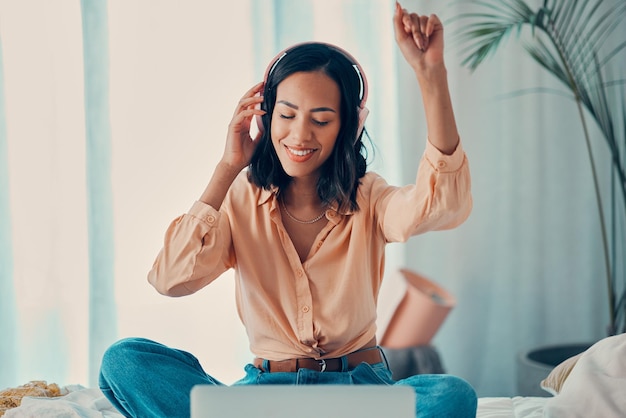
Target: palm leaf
(498, 23)
(584, 43)
(541, 53)
(613, 53)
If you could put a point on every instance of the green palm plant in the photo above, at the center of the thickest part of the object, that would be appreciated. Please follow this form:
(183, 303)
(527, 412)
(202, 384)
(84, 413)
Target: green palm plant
(568, 38)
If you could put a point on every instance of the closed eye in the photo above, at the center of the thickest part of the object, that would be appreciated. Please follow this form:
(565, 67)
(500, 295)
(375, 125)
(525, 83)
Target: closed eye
(286, 116)
(320, 123)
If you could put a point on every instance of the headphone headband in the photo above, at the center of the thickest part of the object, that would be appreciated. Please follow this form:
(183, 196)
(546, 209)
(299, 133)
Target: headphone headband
(355, 64)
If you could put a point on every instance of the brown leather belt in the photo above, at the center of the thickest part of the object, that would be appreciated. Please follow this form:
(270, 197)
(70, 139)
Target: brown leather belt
(369, 355)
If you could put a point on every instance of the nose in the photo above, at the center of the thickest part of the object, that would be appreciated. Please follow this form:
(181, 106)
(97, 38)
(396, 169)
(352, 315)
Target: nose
(300, 130)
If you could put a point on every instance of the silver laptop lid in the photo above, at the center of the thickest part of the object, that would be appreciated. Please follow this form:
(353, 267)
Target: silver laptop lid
(302, 401)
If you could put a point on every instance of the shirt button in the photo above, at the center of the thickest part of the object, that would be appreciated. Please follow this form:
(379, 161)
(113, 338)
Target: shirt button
(210, 219)
(305, 309)
(299, 273)
(441, 164)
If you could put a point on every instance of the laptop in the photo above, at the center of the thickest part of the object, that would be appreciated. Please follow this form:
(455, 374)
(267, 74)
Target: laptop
(302, 401)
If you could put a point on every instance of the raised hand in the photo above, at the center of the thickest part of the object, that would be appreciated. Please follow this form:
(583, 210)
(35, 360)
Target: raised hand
(239, 144)
(419, 37)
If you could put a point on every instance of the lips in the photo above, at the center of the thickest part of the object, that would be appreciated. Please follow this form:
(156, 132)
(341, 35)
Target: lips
(299, 154)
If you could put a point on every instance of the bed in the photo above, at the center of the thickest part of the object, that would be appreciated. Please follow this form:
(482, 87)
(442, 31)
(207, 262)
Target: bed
(591, 385)
(89, 403)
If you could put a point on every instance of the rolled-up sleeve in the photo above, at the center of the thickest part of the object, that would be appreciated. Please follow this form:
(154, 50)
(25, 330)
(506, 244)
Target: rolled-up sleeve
(440, 198)
(196, 250)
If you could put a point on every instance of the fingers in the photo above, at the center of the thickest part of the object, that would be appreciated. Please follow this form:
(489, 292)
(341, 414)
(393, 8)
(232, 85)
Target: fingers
(397, 23)
(432, 23)
(250, 102)
(417, 27)
(413, 24)
(256, 89)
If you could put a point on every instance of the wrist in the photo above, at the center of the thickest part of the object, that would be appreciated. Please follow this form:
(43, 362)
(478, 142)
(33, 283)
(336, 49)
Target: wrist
(226, 169)
(432, 77)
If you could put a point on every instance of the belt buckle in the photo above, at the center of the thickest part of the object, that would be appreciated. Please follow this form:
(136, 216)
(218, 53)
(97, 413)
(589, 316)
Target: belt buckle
(322, 364)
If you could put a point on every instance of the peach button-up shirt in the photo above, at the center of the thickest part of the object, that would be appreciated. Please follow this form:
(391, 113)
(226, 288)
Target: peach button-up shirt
(326, 306)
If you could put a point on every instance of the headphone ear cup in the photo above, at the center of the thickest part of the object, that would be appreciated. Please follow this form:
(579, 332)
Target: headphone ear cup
(259, 124)
(363, 112)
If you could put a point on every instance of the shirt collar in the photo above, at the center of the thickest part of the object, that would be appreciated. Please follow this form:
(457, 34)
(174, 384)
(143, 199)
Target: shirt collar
(265, 195)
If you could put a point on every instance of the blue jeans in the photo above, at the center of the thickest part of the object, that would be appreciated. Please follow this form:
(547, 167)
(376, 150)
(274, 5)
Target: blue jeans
(143, 378)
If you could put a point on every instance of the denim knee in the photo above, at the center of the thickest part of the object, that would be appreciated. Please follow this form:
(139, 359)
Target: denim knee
(442, 396)
(461, 397)
(119, 356)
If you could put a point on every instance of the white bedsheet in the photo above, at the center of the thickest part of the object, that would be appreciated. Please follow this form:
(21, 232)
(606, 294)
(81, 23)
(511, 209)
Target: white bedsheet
(90, 403)
(516, 407)
(81, 402)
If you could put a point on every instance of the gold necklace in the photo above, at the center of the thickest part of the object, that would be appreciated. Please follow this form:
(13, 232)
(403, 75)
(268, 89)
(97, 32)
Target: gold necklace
(293, 218)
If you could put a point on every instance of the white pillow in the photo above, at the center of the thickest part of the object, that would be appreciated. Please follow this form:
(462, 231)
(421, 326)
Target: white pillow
(557, 376)
(595, 386)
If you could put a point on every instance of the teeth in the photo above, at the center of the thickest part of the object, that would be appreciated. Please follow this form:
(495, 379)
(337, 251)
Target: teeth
(300, 153)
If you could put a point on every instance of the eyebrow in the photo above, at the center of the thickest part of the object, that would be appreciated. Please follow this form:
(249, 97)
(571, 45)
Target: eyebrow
(317, 109)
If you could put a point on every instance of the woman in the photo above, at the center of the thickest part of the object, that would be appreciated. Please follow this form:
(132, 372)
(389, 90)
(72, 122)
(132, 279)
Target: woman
(305, 230)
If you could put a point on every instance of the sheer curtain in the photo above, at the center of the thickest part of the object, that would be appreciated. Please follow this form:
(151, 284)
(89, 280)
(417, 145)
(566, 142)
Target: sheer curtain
(113, 115)
(44, 257)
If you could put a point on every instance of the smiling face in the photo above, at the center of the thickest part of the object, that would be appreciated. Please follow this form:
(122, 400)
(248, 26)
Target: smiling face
(305, 122)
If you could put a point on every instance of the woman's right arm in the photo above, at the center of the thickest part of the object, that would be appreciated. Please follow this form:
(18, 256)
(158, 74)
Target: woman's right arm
(196, 245)
(238, 150)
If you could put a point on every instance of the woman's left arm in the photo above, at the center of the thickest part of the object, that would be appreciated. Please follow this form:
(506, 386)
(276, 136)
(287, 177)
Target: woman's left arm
(420, 39)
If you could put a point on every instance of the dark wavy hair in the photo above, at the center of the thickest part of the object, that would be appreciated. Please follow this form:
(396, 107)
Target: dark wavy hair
(341, 173)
